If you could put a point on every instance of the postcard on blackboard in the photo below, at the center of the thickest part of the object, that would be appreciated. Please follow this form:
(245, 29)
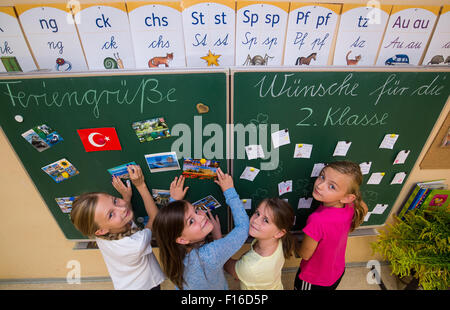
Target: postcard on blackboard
(162, 162)
(61, 170)
(151, 129)
(121, 171)
(65, 203)
(207, 203)
(42, 137)
(200, 168)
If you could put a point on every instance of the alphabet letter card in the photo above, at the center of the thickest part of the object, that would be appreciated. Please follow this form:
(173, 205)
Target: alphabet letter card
(52, 35)
(105, 33)
(209, 32)
(438, 52)
(14, 52)
(310, 32)
(407, 34)
(156, 27)
(260, 32)
(360, 32)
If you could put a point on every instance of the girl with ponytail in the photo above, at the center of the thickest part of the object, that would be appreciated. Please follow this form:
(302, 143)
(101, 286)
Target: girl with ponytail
(326, 231)
(260, 268)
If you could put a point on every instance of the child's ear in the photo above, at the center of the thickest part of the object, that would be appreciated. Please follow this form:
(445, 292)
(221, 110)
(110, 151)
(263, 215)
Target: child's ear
(101, 232)
(349, 198)
(280, 234)
(180, 240)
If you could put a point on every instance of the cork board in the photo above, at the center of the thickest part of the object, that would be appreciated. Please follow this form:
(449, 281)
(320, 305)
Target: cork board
(438, 157)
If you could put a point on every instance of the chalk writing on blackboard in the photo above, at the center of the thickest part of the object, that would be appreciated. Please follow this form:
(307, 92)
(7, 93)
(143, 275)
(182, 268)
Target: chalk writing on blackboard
(148, 91)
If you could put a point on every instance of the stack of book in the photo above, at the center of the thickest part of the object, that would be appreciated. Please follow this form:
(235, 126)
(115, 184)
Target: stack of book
(427, 194)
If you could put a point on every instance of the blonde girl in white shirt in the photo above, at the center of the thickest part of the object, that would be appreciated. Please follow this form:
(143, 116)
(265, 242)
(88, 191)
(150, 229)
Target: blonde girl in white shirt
(126, 249)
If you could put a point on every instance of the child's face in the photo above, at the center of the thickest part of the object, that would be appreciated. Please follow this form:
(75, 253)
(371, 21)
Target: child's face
(112, 214)
(262, 225)
(331, 188)
(196, 226)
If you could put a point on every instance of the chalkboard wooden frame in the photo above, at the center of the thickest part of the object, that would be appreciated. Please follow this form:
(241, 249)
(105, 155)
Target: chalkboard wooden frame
(241, 92)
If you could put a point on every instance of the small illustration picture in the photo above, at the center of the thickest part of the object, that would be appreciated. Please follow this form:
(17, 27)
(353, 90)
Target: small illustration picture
(11, 64)
(211, 59)
(60, 170)
(152, 129)
(65, 203)
(305, 60)
(121, 171)
(113, 63)
(209, 202)
(257, 60)
(157, 61)
(63, 65)
(439, 59)
(200, 168)
(352, 61)
(161, 197)
(399, 59)
(162, 162)
(42, 137)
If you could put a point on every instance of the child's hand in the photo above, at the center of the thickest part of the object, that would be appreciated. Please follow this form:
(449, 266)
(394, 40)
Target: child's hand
(136, 175)
(224, 180)
(176, 188)
(125, 191)
(216, 232)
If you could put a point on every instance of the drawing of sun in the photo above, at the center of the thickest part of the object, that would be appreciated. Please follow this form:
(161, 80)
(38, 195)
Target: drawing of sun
(211, 59)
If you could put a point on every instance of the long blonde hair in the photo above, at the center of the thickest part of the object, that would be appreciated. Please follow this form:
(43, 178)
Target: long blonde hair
(354, 171)
(83, 218)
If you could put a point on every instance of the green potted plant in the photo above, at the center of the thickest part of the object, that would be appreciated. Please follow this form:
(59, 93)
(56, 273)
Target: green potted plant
(419, 246)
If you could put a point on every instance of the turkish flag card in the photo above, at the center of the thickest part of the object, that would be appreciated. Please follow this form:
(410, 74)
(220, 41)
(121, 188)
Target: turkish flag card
(99, 139)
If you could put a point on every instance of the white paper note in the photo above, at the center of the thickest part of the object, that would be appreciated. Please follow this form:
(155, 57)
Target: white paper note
(401, 157)
(254, 151)
(317, 169)
(249, 173)
(304, 203)
(365, 167)
(376, 178)
(342, 148)
(284, 187)
(379, 208)
(398, 178)
(280, 138)
(388, 141)
(303, 150)
(366, 218)
(247, 203)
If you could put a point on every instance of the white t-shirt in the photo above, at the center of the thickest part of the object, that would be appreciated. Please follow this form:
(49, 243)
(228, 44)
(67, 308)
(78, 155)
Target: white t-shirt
(131, 262)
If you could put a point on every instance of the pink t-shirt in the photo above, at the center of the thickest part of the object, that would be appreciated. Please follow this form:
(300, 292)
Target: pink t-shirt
(328, 226)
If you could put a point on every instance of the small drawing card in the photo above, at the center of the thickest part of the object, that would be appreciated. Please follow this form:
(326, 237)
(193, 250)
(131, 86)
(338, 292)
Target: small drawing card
(151, 129)
(161, 197)
(121, 171)
(42, 137)
(284, 187)
(209, 202)
(200, 168)
(65, 203)
(249, 173)
(60, 170)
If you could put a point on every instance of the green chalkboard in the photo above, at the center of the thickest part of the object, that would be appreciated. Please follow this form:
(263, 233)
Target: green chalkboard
(70, 102)
(322, 108)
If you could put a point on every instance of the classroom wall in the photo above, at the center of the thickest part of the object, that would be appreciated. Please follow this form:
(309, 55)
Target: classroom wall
(33, 246)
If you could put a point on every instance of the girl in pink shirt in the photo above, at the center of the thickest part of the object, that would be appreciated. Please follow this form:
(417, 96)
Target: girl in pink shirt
(326, 231)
